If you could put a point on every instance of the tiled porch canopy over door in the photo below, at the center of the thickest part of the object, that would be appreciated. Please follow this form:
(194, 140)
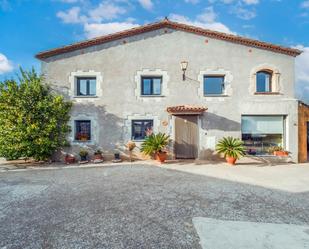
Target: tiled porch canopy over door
(186, 130)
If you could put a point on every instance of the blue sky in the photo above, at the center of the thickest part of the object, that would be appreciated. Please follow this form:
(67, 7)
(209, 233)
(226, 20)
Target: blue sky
(30, 26)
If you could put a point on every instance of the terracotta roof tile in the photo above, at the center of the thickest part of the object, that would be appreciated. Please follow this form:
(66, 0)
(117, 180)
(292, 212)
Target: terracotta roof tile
(186, 109)
(172, 25)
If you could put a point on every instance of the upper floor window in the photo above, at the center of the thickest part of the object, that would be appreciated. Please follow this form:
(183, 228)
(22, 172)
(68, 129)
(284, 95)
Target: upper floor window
(263, 82)
(213, 85)
(82, 130)
(141, 129)
(86, 86)
(151, 85)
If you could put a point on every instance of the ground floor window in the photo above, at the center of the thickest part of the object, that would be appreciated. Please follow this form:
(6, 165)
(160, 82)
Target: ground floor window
(82, 130)
(260, 133)
(141, 129)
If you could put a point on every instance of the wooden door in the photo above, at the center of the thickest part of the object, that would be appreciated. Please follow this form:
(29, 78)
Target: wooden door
(186, 137)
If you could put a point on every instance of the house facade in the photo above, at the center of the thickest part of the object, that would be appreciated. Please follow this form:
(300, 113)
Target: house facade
(129, 84)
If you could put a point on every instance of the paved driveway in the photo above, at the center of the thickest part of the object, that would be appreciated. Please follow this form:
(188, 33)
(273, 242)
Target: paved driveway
(130, 207)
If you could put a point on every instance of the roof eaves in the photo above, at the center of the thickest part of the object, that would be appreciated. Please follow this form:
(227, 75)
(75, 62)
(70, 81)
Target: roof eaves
(173, 25)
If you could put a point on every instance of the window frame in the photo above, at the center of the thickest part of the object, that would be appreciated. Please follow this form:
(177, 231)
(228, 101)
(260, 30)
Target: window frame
(270, 73)
(76, 130)
(222, 86)
(284, 132)
(133, 130)
(151, 84)
(88, 78)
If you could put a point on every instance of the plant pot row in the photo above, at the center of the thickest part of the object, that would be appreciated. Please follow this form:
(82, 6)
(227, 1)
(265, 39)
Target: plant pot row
(70, 159)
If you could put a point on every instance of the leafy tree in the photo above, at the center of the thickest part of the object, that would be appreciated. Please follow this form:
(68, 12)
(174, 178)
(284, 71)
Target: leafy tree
(33, 119)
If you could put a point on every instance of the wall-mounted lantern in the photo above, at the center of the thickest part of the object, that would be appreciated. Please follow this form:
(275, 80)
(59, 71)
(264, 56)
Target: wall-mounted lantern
(184, 65)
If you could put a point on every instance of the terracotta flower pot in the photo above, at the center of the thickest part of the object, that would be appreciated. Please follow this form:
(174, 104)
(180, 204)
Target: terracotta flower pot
(98, 157)
(281, 153)
(69, 159)
(231, 160)
(161, 156)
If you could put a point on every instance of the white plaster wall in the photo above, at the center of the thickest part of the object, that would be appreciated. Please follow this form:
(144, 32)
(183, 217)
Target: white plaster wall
(120, 63)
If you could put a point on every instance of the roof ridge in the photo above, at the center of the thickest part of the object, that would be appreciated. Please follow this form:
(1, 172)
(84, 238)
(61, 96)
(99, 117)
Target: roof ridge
(166, 23)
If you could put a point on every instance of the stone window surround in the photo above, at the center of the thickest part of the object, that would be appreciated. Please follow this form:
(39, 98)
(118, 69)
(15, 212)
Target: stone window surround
(228, 78)
(275, 79)
(151, 72)
(93, 127)
(128, 125)
(91, 73)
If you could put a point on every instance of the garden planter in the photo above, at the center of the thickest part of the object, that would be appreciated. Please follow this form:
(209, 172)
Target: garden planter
(281, 153)
(161, 156)
(231, 160)
(69, 159)
(98, 157)
(83, 159)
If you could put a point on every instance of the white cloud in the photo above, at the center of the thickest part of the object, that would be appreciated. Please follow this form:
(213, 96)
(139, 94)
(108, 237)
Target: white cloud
(97, 20)
(208, 16)
(98, 29)
(305, 5)
(218, 26)
(249, 2)
(105, 11)
(146, 4)
(69, 1)
(243, 9)
(302, 64)
(192, 1)
(302, 74)
(71, 16)
(5, 65)
(243, 13)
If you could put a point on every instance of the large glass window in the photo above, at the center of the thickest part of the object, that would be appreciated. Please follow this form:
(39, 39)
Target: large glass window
(260, 133)
(82, 130)
(151, 85)
(86, 86)
(213, 85)
(263, 82)
(141, 129)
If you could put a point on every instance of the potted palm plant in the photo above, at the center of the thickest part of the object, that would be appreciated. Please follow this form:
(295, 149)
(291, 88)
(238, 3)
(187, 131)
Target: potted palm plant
(232, 149)
(278, 151)
(154, 145)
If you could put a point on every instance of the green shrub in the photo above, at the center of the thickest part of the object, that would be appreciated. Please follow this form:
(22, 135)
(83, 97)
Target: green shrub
(83, 153)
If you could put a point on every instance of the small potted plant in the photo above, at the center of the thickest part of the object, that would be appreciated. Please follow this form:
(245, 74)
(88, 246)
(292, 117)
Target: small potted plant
(98, 155)
(83, 155)
(232, 149)
(278, 151)
(154, 145)
(117, 158)
(69, 158)
(131, 146)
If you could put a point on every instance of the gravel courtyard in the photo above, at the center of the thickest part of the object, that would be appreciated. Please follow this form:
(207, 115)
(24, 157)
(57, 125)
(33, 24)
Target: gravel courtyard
(127, 206)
